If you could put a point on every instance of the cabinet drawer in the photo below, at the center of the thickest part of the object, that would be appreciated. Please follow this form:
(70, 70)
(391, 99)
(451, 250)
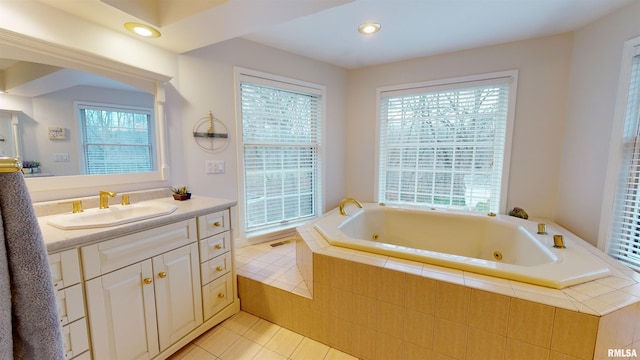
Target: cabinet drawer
(215, 268)
(104, 257)
(65, 268)
(75, 339)
(214, 246)
(212, 224)
(70, 304)
(217, 295)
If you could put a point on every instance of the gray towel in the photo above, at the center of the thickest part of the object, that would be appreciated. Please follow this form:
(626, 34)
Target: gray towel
(29, 323)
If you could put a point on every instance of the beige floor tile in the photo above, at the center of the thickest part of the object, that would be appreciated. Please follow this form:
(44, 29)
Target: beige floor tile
(218, 340)
(334, 354)
(198, 353)
(243, 349)
(180, 354)
(284, 342)
(266, 354)
(240, 322)
(262, 331)
(309, 349)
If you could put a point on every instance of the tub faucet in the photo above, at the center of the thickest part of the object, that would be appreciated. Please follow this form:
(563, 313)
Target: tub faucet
(347, 200)
(104, 200)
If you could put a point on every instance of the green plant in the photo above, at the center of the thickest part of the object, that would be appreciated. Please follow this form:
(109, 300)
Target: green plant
(180, 190)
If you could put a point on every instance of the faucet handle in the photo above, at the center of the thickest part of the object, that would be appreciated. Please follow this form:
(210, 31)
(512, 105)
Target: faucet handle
(125, 200)
(76, 204)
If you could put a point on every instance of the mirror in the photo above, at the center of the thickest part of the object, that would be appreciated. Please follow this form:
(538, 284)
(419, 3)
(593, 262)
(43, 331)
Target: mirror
(50, 108)
(46, 84)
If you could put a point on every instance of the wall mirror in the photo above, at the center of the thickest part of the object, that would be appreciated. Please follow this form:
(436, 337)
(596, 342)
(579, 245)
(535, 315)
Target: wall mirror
(70, 112)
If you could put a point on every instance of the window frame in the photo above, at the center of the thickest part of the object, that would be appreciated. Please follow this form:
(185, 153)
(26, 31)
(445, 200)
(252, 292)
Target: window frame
(276, 81)
(455, 83)
(79, 106)
(630, 50)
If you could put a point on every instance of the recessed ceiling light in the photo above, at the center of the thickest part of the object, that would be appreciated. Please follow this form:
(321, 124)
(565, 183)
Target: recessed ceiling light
(142, 30)
(369, 28)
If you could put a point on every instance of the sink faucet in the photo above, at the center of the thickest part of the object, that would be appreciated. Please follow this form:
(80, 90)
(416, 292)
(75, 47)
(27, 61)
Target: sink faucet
(104, 200)
(345, 201)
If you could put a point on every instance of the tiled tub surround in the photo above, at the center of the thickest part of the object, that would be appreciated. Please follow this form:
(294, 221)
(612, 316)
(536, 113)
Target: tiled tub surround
(378, 307)
(494, 245)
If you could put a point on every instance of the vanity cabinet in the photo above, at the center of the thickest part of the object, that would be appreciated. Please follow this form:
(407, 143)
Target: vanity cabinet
(65, 273)
(145, 295)
(143, 291)
(216, 266)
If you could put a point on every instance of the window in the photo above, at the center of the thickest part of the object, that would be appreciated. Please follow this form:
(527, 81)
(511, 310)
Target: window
(446, 143)
(623, 238)
(115, 139)
(280, 122)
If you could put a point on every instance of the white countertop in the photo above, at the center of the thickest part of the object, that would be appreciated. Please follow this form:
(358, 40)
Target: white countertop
(58, 240)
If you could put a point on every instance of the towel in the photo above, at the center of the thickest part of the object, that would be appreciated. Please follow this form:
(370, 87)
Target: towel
(29, 323)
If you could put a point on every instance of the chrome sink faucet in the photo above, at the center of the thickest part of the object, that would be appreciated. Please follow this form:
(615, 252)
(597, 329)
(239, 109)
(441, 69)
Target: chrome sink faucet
(104, 198)
(348, 200)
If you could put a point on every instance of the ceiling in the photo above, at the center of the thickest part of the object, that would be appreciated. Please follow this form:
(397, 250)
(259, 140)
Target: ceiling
(326, 30)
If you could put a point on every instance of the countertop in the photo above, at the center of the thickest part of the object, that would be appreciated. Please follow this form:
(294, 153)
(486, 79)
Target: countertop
(58, 240)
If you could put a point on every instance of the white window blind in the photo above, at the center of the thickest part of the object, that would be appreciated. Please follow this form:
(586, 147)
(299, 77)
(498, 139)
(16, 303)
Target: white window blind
(281, 145)
(444, 145)
(116, 140)
(624, 239)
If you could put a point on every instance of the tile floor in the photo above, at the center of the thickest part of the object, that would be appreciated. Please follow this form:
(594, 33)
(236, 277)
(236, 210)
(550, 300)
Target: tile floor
(245, 336)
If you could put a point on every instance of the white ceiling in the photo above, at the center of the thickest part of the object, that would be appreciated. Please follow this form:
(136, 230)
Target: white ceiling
(327, 29)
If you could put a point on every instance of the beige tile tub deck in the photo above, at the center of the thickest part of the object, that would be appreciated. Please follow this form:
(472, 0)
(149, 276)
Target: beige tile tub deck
(372, 306)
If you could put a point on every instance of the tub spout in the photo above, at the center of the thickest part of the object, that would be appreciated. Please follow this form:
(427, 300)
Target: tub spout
(348, 200)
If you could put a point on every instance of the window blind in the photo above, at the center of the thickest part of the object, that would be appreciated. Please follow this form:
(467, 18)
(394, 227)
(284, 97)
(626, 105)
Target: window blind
(281, 144)
(444, 145)
(624, 239)
(116, 140)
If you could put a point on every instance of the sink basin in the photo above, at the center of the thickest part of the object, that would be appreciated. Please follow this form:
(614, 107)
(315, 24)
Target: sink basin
(112, 216)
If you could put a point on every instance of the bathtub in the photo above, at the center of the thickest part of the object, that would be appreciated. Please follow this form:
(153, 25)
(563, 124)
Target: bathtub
(500, 246)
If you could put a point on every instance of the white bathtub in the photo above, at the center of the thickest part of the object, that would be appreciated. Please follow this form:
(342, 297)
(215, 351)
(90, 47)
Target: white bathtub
(500, 246)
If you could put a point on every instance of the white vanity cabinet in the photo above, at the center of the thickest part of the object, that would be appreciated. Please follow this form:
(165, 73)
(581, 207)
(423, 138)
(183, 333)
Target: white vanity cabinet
(146, 294)
(215, 256)
(65, 273)
(143, 291)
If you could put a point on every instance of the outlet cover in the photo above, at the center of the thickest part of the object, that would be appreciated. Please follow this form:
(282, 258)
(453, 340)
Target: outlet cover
(214, 167)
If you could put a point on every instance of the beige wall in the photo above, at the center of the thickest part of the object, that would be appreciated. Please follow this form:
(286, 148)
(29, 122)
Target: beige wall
(595, 70)
(207, 83)
(543, 82)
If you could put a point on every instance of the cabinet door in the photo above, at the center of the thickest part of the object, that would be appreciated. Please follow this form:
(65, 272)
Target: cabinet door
(178, 293)
(122, 313)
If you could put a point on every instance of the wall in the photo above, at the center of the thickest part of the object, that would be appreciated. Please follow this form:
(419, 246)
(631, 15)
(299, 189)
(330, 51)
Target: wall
(543, 66)
(207, 84)
(595, 70)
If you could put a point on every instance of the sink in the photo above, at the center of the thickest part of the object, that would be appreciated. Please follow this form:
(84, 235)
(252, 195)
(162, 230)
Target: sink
(112, 216)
